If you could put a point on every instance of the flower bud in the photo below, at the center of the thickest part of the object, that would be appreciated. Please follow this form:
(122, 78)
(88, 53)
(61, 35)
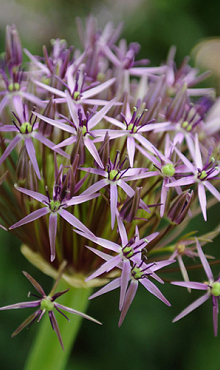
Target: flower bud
(13, 49)
(180, 207)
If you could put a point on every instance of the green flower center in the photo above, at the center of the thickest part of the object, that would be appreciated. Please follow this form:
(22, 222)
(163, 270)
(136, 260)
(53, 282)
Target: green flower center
(46, 304)
(132, 127)
(26, 128)
(215, 290)
(14, 86)
(55, 205)
(202, 175)
(187, 126)
(168, 169)
(76, 95)
(114, 175)
(84, 130)
(137, 273)
(127, 252)
(181, 248)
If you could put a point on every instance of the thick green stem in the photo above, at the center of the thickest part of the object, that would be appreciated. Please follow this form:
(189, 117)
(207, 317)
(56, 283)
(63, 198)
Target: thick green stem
(46, 352)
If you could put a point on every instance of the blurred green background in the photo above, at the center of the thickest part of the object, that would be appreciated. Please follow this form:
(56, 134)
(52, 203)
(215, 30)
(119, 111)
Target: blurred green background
(147, 338)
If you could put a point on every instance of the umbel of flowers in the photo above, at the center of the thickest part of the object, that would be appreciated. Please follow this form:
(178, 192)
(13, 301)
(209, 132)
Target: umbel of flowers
(104, 162)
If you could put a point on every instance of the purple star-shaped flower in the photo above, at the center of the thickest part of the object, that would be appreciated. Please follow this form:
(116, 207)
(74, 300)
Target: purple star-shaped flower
(211, 286)
(46, 303)
(55, 206)
(202, 174)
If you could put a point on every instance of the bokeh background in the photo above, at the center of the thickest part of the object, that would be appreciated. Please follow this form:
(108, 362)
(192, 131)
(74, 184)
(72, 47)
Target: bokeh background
(147, 339)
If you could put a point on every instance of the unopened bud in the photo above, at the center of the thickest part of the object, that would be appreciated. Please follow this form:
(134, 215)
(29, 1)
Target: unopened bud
(13, 49)
(130, 207)
(180, 207)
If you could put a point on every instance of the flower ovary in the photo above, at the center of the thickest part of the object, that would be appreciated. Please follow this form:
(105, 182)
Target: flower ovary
(46, 304)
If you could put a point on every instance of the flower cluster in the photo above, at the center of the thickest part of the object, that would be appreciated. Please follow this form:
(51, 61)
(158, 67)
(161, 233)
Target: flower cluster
(132, 151)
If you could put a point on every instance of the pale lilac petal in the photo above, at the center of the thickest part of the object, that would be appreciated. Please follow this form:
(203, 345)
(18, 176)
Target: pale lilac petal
(122, 230)
(212, 189)
(51, 89)
(113, 202)
(10, 147)
(190, 285)
(183, 270)
(115, 122)
(131, 149)
(55, 326)
(33, 98)
(52, 234)
(4, 102)
(75, 312)
(191, 147)
(127, 189)
(104, 256)
(74, 221)
(31, 217)
(56, 123)
(35, 284)
(33, 194)
(192, 307)
(80, 199)
(73, 110)
(154, 126)
(100, 114)
(95, 187)
(202, 199)
(92, 149)
(32, 154)
(65, 142)
(105, 243)
(128, 300)
(114, 284)
(49, 144)
(96, 90)
(106, 267)
(21, 305)
(198, 157)
(125, 277)
(8, 128)
(163, 197)
(188, 180)
(186, 161)
(205, 263)
(146, 143)
(36, 62)
(154, 290)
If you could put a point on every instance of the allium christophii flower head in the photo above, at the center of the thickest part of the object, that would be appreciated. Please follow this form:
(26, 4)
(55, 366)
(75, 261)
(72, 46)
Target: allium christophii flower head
(101, 159)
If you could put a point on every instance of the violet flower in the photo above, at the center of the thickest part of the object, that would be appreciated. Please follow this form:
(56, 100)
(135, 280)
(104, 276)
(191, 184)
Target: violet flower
(81, 123)
(26, 129)
(202, 174)
(55, 206)
(46, 303)
(211, 286)
(115, 176)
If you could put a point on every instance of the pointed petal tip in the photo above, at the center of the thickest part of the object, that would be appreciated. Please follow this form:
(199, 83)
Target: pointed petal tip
(52, 257)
